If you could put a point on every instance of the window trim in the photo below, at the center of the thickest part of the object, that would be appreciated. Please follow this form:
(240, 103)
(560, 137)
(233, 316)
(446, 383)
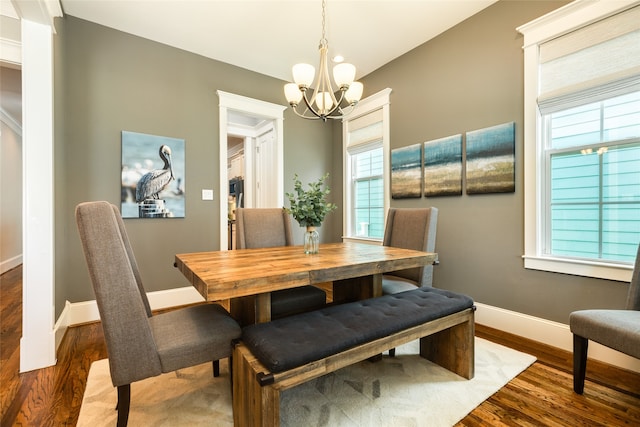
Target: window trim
(377, 101)
(561, 21)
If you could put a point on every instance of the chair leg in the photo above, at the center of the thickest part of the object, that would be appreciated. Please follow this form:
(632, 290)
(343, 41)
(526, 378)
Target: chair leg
(216, 368)
(124, 400)
(392, 352)
(580, 346)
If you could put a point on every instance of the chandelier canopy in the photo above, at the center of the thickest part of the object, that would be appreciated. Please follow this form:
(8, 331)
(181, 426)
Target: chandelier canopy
(323, 103)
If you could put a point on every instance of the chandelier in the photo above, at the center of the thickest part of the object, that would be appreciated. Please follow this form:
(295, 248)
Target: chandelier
(323, 103)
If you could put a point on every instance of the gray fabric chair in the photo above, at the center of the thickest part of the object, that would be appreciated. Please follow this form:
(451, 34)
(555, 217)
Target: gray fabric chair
(139, 344)
(268, 228)
(410, 229)
(616, 329)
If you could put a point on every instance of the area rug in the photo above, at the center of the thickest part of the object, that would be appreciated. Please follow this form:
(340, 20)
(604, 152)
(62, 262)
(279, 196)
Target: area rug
(405, 390)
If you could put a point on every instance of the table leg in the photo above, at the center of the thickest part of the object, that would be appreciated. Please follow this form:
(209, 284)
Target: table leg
(251, 309)
(263, 308)
(357, 288)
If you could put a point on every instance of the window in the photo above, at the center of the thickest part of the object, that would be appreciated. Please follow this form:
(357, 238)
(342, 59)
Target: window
(366, 160)
(593, 158)
(582, 139)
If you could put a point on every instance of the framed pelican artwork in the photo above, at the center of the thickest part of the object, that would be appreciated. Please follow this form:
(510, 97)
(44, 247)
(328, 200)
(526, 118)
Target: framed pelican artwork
(152, 176)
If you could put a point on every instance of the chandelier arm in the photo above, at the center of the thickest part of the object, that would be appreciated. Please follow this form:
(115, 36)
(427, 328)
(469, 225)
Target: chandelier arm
(309, 106)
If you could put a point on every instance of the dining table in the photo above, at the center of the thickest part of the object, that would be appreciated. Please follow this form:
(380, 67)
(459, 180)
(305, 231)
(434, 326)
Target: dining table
(246, 277)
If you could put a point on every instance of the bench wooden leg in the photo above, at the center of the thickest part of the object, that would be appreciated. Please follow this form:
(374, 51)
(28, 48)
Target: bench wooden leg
(452, 348)
(253, 405)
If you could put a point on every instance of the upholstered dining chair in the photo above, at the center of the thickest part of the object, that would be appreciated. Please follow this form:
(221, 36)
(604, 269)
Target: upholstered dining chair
(616, 329)
(410, 228)
(140, 344)
(267, 228)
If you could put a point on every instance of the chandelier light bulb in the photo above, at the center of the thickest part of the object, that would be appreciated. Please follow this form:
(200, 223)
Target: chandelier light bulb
(303, 74)
(324, 102)
(292, 93)
(344, 74)
(354, 93)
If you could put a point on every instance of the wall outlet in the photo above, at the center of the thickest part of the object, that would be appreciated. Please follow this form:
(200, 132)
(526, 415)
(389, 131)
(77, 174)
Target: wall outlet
(207, 194)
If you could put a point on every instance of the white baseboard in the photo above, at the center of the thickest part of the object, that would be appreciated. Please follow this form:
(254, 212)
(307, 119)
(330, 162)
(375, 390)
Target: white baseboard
(10, 263)
(547, 332)
(534, 328)
(87, 311)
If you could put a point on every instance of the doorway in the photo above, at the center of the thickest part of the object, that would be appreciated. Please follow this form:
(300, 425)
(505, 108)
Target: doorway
(253, 128)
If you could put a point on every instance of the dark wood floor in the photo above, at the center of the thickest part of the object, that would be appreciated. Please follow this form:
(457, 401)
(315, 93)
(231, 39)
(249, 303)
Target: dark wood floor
(540, 396)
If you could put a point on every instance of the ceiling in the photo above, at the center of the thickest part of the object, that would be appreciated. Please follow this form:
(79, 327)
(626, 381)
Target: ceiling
(269, 36)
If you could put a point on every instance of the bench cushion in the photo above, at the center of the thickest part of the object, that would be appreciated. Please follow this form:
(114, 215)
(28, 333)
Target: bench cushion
(293, 341)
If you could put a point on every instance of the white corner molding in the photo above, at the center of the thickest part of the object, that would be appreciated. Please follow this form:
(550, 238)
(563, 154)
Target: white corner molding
(547, 332)
(39, 11)
(37, 346)
(10, 51)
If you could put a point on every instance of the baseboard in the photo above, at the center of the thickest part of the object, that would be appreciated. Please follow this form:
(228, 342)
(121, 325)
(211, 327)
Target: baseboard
(547, 332)
(10, 263)
(87, 311)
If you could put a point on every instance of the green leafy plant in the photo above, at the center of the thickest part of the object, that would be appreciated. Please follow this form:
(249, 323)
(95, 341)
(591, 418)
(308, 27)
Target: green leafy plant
(309, 207)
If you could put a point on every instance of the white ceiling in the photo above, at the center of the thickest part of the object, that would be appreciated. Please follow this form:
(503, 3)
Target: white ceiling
(269, 36)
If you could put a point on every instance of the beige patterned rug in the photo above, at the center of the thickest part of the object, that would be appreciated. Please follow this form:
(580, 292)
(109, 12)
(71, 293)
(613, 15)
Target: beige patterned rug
(402, 391)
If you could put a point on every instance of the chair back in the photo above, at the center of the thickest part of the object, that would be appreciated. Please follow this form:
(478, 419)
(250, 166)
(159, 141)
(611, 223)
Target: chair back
(413, 228)
(262, 228)
(123, 311)
(633, 297)
(132, 260)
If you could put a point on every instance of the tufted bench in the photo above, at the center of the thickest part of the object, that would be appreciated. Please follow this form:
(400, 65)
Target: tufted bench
(281, 354)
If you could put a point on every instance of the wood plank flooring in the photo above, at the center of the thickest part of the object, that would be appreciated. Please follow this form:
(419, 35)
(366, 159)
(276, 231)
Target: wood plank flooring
(540, 396)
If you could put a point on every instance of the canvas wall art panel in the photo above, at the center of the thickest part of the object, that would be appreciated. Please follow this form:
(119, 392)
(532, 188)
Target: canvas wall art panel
(406, 172)
(491, 160)
(152, 176)
(443, 166)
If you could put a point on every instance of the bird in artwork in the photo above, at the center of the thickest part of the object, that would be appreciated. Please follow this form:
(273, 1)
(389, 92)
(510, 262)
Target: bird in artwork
(155, 181)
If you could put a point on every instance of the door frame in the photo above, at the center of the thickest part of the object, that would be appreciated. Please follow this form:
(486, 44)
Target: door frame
(252, 107)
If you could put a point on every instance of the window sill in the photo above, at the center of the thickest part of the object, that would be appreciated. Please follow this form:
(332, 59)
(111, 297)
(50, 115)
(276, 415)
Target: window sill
(617, 272)
(367, 240)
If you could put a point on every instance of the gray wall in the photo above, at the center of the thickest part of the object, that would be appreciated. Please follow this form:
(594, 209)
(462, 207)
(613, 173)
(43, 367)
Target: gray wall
(469, 78)
(108, 81)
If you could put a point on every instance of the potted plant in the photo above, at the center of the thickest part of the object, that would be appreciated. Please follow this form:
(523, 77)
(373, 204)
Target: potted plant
(309, 207)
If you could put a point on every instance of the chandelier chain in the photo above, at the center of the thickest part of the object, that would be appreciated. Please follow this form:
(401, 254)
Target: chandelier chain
(323, 40)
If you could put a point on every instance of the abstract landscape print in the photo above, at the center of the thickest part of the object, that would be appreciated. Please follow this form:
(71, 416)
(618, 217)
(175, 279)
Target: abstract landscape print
(406, 172)
(491, 160)
(443, 166)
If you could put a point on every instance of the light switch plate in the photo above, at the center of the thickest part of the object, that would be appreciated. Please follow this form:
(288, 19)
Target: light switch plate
(207, 194)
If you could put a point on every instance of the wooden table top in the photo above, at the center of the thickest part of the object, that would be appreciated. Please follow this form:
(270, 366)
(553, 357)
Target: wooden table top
(220, 275)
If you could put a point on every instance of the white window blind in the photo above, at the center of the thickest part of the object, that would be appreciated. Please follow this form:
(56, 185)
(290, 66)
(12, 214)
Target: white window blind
(365, 129)
(596, 62)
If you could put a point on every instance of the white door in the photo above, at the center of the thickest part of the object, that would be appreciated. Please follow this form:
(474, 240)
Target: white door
(266, 184)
